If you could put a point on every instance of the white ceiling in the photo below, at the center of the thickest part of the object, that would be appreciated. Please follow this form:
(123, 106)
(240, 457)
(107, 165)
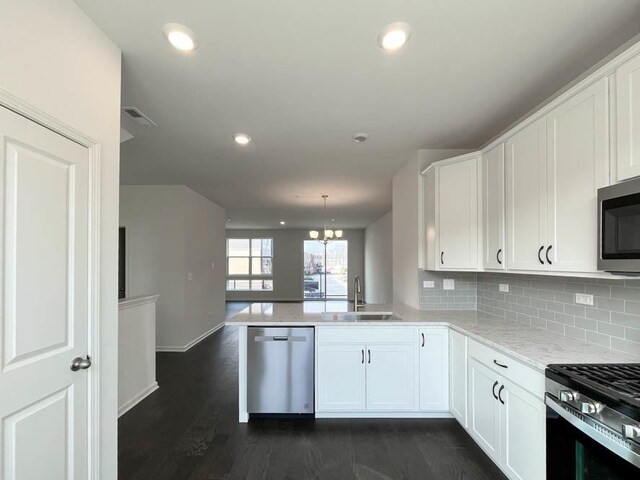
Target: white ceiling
(302, 76)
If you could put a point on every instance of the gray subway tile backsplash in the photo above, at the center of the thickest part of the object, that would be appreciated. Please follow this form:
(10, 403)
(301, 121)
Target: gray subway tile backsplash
(546, 302)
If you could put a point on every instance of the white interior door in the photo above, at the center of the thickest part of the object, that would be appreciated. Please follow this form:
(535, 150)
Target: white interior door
(44, 302)
(577, 161)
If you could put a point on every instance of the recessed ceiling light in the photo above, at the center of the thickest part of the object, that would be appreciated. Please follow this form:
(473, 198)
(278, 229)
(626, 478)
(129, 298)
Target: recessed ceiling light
(360, 137)
(282, 222)
(241, 138)
(180, 37)
(394, 36)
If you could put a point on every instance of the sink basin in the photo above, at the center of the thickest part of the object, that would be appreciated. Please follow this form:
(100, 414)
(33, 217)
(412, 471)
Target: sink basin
(358, 316)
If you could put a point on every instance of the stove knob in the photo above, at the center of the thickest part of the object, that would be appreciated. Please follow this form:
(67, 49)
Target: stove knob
(588, 407)
(631, 431)
(567, 396)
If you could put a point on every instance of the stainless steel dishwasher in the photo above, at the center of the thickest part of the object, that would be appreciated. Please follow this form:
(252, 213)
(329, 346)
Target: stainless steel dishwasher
(280, 369)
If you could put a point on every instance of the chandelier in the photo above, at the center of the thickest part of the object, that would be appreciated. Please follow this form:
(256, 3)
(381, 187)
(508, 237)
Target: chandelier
(327, 234)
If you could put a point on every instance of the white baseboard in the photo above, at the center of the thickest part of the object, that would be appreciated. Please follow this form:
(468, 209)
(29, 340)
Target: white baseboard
(137, 399)
(191, 344)
(383, 415)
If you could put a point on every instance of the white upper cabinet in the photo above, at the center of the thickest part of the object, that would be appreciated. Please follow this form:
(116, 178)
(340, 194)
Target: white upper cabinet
(628, 119)
(429, 206)
(526, 193)
(457, 215)
(577, 159)
(494, 208)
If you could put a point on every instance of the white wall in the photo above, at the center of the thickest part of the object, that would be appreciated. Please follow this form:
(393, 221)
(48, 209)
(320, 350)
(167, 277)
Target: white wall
(407, 236)
(205, 243)
(378, 260)
(55, 58)
(173, 235)
(288, 263)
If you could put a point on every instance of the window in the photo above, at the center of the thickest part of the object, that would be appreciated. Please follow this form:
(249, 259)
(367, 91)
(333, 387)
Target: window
(249, 264)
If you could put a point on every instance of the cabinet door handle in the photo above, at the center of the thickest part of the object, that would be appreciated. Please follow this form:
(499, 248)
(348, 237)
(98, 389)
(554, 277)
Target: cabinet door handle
(369, 354)
(498, 256)
(539, 257)
(500, 394)
(500, 364)
(422, 339)
(547, 254)
(363, 356)
(442, 258)
(493, 390)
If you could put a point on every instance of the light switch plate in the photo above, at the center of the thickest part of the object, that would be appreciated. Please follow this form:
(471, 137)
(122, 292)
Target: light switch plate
(428, 284)
(584, 299)
(189, 276)
(213, 265)
(448, 284)
(504, 287)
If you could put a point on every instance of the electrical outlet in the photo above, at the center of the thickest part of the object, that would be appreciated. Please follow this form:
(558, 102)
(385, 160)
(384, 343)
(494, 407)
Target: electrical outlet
(448, 284)
(189, 276)
(504, 287)
(584, 299)
(213, 265)
(428, 284)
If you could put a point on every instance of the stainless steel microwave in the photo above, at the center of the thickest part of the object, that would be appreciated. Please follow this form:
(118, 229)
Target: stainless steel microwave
(619, 227)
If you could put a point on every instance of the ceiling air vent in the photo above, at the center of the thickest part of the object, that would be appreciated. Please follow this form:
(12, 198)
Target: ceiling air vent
(137, 116)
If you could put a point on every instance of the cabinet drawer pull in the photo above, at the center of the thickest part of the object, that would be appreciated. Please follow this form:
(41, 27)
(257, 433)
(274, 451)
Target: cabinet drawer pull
(422, 339)
(442, 258)
(500, 394)
(539, 257)
(369, 354)
(547, 254)
(493, 390)
(363, 356)
(498, 256)
(500, 364)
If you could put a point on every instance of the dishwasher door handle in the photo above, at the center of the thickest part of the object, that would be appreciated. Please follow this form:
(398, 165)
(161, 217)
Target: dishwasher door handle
(278, 338)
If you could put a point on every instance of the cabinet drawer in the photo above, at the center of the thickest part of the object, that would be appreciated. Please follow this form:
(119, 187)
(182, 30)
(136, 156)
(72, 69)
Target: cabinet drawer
(366, 334)
(522, 375)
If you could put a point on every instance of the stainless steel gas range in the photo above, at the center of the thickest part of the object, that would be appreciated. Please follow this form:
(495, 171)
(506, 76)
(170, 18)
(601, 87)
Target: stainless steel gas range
(593, 421)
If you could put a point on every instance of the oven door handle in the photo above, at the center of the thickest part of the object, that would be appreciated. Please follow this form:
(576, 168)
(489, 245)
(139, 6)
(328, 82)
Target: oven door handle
(631, 455)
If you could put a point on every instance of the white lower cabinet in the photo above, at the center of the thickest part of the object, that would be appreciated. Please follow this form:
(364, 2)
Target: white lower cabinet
(484, 408)
(390, 384)
(341, 378)
(506, 419)
(434, 369)
(458, 376)
(382, 370)
(523, 433)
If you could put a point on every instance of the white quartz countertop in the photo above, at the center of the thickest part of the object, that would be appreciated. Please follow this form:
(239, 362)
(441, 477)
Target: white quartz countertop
(535, 347)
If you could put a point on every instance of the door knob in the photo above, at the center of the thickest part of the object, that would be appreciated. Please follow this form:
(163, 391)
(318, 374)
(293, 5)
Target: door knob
(80, 363)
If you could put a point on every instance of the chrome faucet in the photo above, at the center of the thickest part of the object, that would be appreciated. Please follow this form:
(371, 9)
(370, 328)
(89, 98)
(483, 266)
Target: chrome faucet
(357, 289)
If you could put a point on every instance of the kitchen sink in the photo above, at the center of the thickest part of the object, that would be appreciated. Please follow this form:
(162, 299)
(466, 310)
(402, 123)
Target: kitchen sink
(359, 316)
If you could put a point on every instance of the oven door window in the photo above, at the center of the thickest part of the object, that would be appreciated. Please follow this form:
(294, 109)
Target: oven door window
(621, 227)
(572, 455)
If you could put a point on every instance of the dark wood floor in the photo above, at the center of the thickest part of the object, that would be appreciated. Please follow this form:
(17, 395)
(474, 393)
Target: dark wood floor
(188, 429)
